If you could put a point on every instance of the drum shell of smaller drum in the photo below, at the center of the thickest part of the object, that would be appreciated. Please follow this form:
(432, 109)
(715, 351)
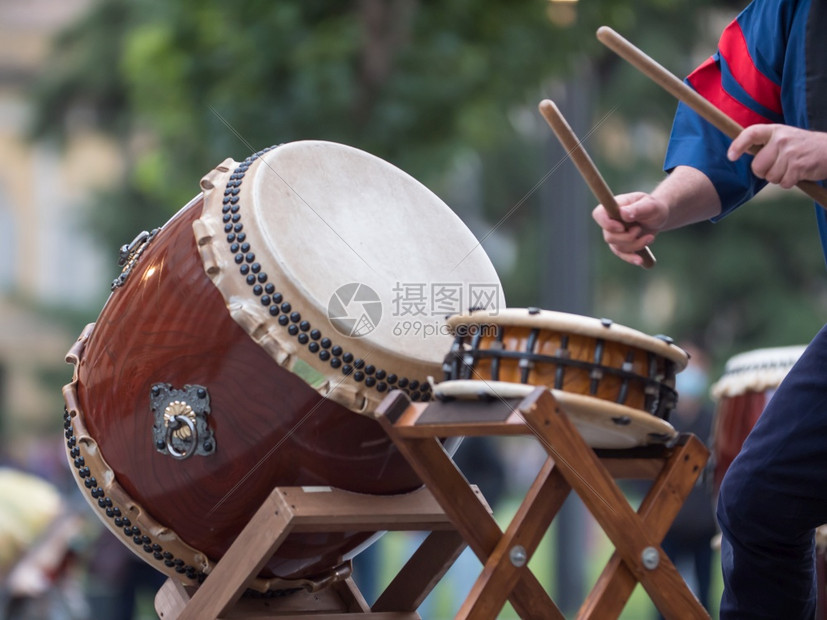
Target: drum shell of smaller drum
(612, 370)
(168, 324)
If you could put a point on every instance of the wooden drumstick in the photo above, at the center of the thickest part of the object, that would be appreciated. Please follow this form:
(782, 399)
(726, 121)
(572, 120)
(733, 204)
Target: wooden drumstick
(587, 169)
(680, 90)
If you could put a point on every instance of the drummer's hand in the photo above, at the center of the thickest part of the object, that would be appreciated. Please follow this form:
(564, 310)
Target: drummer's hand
(644, 217)
(788, 154)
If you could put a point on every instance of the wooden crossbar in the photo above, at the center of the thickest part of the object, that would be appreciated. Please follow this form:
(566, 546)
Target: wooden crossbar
(290, 510)
(416, 429)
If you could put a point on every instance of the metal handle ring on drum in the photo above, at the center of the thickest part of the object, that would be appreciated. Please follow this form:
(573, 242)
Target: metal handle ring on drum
(174, 424)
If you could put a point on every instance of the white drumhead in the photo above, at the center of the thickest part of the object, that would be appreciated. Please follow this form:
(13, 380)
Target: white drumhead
(601, 424)
(369, 258)
(756, 371)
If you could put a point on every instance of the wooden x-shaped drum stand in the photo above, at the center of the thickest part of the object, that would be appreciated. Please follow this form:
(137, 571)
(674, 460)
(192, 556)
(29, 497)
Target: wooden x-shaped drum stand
(571, 464)
(455, 513)
(300, 509)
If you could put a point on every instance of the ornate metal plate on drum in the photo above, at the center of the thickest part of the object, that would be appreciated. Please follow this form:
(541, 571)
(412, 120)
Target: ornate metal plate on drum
(180, 429)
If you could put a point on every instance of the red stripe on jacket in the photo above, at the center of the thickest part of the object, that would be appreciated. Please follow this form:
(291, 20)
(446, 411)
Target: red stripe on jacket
(733, 48)
(706, 79)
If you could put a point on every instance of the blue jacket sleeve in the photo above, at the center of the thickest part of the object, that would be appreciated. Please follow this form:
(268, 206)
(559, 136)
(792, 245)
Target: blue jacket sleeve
(743, 78)
(695, 142)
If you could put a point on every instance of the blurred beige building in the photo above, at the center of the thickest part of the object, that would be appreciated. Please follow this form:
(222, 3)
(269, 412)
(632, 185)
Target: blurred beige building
(47, 261)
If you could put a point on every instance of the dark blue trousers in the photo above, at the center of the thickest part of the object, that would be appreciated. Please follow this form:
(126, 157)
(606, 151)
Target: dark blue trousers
(773, 497)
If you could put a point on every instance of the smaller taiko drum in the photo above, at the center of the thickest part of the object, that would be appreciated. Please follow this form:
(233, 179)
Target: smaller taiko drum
(741, 394)
(611, 366)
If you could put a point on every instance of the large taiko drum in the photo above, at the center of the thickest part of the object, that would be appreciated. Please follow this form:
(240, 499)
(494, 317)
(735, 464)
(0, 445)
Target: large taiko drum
(741, 394)
(617, 383)
(246, 344)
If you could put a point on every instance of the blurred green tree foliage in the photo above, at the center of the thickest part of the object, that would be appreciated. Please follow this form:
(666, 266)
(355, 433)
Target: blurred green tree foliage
(183, 84)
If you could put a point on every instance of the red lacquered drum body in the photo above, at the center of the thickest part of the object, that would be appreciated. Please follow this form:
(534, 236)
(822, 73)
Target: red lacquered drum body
(193, 398)
(741, 395)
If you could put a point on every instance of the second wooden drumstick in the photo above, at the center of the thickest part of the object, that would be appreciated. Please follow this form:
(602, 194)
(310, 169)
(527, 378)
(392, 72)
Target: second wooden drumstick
(676, 87)
(587, 168)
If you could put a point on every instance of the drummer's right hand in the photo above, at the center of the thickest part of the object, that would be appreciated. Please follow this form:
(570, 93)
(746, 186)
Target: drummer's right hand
(643, 217)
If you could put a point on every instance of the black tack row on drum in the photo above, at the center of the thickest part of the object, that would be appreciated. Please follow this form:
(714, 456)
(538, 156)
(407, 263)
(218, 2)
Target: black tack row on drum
(115, 513)
(282, 310)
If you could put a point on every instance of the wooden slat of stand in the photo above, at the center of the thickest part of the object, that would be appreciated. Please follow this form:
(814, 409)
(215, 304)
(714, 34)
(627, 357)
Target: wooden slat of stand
(422, 572)
(631, 535)
(475, 524)
(295, 509)
(527, 528)
(172, 599)
(572, 465)
(658, 509)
